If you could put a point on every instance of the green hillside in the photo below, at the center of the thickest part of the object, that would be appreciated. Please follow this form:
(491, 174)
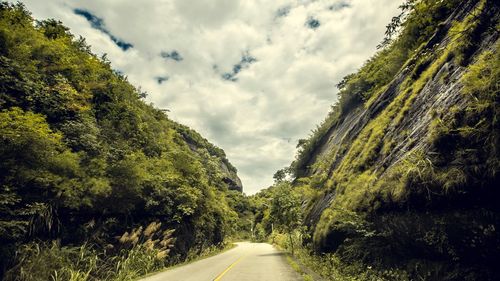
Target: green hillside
(400, 182)
(85, 161)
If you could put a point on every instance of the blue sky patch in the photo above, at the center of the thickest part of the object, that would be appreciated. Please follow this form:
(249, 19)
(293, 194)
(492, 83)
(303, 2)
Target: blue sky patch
(245, 62)
(98, 23)
(283, 11)
(174, 55)
(339, 6)
(312, 23)
(161, 79)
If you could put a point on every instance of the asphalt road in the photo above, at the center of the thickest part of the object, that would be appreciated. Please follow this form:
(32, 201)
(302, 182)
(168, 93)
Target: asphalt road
(246, 262)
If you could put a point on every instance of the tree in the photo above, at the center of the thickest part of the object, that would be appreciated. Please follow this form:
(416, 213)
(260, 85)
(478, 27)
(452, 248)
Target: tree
(281, 174)
(286, 212)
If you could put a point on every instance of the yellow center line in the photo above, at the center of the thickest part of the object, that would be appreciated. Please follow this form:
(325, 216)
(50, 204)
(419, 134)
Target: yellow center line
(219, 277)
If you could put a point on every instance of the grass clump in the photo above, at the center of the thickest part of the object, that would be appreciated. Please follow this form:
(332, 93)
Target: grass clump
(135, 254)
(468, 135)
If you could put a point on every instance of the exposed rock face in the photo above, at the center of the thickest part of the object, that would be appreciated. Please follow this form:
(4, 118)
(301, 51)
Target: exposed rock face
(441, 93)
(231, 178)
(199, 144)
(378, 192)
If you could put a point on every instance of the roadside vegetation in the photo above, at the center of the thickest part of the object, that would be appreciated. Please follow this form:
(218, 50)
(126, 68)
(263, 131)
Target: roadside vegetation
(95, 184)
(431, 215)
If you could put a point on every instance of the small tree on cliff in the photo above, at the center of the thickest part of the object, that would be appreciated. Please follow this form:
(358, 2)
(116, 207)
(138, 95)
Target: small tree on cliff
(286, 211)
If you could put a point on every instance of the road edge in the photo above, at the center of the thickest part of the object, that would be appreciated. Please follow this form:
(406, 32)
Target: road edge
(229, 247)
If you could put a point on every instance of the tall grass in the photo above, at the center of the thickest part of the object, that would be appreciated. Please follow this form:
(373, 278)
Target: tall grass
(133, 255)
(331, 267)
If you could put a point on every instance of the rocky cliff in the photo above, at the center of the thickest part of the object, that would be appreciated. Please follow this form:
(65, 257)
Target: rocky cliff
(407, 163)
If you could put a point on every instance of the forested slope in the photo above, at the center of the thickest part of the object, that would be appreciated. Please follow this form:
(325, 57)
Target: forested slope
(83, 160)
(400, 182)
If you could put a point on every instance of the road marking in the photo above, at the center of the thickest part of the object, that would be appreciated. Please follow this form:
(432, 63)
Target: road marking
(219, 277)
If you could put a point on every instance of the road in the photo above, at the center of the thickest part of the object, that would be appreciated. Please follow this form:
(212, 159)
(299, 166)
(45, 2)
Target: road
(246, 262)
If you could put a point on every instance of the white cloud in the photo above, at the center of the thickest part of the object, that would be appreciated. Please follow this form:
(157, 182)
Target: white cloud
(276, 100)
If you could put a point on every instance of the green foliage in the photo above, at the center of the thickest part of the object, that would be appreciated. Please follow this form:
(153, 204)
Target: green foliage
(356, 179)
(138, 253)
(285, 208)
(418, 212)
(83, 158)
(331, 267)
(419, 20)
(245, 214)
(192, 137)
(306, 147)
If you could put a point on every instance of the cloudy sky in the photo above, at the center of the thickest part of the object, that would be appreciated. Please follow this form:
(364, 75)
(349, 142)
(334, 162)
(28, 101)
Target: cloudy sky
(252, 76)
